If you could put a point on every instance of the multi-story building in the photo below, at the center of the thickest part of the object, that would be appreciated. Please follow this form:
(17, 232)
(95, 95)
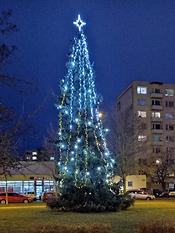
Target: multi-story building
(152, 103)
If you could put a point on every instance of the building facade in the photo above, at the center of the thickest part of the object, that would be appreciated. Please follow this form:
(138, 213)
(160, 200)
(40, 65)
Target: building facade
(152, 106)
(32, 176)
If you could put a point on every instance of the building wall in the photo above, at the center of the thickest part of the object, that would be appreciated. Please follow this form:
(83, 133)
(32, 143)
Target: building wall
(157, 100)
(34, 177)
(133, 181)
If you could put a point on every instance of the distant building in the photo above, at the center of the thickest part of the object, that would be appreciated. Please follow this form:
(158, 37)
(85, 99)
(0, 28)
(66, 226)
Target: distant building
(38, 154)
(132, 181)
(31, 176)
(154, 104)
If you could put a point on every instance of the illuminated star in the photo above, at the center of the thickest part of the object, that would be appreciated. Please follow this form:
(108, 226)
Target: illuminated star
(79, 23)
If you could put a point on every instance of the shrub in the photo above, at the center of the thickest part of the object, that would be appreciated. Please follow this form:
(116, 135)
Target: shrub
(90, 199)
(157, 227)
(96, 228)
(126, 201)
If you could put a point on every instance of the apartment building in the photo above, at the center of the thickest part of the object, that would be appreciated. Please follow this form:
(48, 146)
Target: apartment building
(152, 104)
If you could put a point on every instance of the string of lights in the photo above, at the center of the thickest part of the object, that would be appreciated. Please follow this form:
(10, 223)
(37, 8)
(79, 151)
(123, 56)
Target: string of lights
(84, 156)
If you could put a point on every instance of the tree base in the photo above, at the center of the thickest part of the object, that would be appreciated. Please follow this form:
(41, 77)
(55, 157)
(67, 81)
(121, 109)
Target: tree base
(87, 200)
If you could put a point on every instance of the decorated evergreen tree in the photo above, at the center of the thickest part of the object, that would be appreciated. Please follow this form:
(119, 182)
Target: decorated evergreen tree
(85, 164)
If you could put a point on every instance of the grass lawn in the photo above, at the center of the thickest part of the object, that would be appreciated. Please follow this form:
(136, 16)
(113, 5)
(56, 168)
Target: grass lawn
(21, 217)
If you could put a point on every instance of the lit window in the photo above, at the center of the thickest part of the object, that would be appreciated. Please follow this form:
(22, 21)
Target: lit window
(141, 114)
(34, 158)
(142, 138)
(156, 114)
(141, 90)
(141, 102)
(156, 138)
(52, 158)
(34, 153)
(169, 92)
(168, 116)
(157, 161)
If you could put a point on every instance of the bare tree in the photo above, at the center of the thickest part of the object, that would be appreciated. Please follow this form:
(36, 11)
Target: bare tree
(51, 151)
(125, 142)
(50, 148)
(11, 126)
(161, 166)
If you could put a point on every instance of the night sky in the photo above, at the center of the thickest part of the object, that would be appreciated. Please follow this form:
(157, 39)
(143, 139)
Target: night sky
(128, 40)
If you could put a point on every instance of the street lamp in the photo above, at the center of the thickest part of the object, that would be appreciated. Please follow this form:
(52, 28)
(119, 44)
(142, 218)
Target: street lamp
(101, 115)
(157, 161)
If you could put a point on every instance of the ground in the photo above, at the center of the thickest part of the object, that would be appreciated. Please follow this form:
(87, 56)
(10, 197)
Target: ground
(21, 218)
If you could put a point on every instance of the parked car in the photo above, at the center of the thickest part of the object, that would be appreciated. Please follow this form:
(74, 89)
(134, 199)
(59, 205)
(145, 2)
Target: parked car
(32, 195)
(142, 195)
(172, 194)
(157, 192)
(46, 195)
(164, 194)
(167, 194)
(132, 191)
(14, 198)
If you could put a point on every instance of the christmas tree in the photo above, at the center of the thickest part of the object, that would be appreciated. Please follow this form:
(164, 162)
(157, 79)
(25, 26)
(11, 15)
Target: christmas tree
(85, 164)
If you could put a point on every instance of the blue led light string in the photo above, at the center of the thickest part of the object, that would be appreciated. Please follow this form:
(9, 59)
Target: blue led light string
(70, 77)
(85, 51)
(86, 80)
(82, 115)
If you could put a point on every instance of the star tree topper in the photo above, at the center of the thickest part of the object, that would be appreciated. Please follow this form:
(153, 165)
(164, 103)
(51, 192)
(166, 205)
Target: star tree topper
(79, 23)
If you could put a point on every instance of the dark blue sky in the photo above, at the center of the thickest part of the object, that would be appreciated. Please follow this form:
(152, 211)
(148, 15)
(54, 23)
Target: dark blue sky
(128, 40)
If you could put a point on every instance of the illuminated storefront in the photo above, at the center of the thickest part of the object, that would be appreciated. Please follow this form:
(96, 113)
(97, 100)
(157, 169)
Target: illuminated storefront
(34, 177)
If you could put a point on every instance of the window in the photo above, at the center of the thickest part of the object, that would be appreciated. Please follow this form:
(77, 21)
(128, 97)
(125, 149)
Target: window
(170, 149)
(141, 102)
(156, 102)
(141, 114)
(156, 138)
(130, 184)
(142, 138)
(170, 127)
(169, 139)
(156, 150)
(169, 104)
(156, 90)
(156, 126)
(141, 90)
(169, 116)
(169, 92)
(156, 114)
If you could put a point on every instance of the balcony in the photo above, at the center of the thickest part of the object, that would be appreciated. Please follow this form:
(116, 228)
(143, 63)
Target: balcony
(156, 95)
(157, 107)
(157, 131)
(157, 143)
(156, 119)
